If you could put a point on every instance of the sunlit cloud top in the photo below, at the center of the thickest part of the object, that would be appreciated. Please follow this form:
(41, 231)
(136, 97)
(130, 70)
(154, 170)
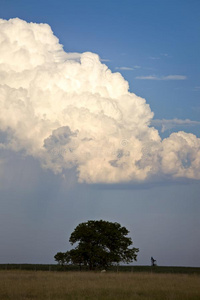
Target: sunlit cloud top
(68, 110)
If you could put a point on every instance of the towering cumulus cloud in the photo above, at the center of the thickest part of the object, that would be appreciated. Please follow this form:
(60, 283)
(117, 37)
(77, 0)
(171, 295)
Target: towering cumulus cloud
(69, 110)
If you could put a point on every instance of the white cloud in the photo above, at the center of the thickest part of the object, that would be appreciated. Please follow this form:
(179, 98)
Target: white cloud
(68, 110)
(124, 68)
(104, 59)
(160, 56)
(168, 124)
(127, 68)
(154, 57)
(168, 77)
(149, 77)
(181, 155)
(196, 88)
(174, 77)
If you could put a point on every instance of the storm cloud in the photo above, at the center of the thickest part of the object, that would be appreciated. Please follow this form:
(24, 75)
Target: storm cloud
(68, 110)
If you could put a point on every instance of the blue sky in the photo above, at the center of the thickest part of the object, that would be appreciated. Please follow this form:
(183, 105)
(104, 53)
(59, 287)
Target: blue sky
(155, 45)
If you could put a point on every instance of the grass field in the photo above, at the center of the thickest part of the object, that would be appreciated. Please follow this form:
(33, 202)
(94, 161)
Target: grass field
(32, 285)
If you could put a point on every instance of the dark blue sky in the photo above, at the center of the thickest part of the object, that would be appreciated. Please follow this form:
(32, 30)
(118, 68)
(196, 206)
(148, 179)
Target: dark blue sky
(155, 45)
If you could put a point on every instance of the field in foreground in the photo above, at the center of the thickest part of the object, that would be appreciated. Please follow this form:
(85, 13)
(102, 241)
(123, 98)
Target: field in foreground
(29, 285)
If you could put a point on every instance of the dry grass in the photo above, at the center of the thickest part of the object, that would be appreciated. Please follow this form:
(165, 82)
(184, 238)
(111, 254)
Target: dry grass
(30, 285)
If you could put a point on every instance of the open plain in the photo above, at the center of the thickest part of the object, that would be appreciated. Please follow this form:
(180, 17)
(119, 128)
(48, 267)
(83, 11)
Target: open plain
(40, 285)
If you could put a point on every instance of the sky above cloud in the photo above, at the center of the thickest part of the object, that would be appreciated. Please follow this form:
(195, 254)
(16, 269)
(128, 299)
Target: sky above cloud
(84, 119)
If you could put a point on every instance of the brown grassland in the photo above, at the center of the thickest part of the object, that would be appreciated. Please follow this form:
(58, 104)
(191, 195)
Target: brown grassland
(35, 285)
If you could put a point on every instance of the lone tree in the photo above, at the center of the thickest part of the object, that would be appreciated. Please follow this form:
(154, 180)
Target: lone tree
(100, 245)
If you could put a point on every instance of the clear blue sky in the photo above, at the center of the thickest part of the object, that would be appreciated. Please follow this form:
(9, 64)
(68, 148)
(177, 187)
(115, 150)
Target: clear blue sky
(155, 45)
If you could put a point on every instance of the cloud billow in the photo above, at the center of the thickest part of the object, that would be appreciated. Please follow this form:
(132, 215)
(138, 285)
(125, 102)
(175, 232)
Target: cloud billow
(70, 111)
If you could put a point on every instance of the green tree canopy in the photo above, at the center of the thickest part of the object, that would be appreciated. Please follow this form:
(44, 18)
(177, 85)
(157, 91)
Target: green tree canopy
(100, 244)
(62, 258)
